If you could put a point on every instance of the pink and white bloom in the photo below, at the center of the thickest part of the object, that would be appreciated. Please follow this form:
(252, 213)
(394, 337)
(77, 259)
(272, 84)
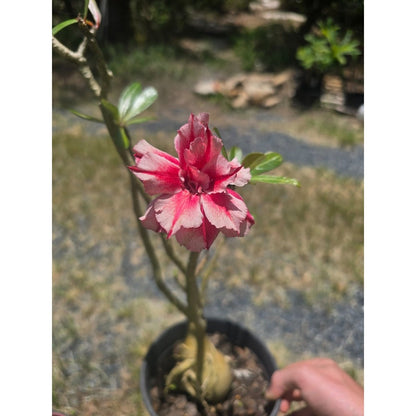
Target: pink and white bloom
(194, 199)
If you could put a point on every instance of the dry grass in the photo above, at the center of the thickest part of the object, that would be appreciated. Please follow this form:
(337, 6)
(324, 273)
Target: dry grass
(322, 127)
(308, 238)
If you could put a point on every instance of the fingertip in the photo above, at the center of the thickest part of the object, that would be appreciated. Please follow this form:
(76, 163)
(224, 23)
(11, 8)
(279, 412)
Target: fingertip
(284, 405)
(271, 394)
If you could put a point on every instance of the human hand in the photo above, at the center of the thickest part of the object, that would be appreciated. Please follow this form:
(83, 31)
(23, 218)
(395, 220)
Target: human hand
(322, 384)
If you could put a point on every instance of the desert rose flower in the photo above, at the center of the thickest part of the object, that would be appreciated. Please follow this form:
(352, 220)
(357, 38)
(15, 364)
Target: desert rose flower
(194, 200)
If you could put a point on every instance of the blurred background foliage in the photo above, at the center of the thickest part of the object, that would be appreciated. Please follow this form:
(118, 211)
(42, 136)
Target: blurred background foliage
(348, 14)
(128, 24)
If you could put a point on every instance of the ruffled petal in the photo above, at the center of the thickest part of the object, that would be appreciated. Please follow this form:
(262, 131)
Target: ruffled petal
(158, 174)
(242, 176)
(245, 225)
(204, 153)
(224, 211)
(178, 210)
(149, 220)
(197, 239)
(143, 147)
(196, 127)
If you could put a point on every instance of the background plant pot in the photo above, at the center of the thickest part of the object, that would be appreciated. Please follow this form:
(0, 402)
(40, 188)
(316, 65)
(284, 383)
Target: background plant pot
(163, 346)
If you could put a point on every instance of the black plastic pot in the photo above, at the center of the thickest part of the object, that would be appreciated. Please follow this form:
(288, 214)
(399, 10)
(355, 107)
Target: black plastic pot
(163, 346)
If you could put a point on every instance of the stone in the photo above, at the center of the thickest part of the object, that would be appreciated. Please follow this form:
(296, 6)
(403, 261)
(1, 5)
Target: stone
(241, 101)
(258, 91)
(271, 101)
(207, 87)
(262, 5)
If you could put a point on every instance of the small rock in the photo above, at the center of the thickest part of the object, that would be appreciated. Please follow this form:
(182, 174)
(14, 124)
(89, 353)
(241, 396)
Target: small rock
(207, 87)
(262, 5)
(258, 91)
(190, 409)
(283, 78)
(271, 101)
(241, 101)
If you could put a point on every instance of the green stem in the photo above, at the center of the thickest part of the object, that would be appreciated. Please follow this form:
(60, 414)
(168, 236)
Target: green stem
(197, 323)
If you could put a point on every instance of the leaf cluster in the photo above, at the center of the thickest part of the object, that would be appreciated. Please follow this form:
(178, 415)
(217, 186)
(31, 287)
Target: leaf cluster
(259, 164)
(326, 49)
(132, 102)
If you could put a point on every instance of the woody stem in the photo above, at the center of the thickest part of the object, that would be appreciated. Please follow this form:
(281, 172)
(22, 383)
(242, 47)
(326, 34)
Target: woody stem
(197, 323)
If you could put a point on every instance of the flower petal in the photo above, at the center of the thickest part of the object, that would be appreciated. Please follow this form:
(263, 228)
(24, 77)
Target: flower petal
(143, 147)
(196, 127)
(158, 174)
(178, 210)
(197, 239)
(242, 176)
(149, 220)
(244, 225)
(204, 153)
(223, 210)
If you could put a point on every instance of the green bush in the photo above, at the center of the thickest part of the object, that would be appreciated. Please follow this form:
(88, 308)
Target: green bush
(348, 14)
(326, 50)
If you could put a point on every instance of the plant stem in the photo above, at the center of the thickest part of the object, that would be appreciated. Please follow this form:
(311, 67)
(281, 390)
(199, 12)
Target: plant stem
(157, 271)
(197, 323)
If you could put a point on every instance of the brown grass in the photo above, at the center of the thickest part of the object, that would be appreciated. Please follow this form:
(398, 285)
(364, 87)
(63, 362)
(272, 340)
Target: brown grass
(308, 238)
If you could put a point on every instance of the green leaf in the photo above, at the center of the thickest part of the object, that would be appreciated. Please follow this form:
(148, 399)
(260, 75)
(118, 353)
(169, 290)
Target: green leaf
(126, 97)
(235, 152)
(86, 8)
(86, 116)
(139, 120)
(266, 163)
(274, 180)
(112, 109)
(63, 25)
(224, 152)
(134, 101)
(126, 141)
(250, 159)
(217, 132)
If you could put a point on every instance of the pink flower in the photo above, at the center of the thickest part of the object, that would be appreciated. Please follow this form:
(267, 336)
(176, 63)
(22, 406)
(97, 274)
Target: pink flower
(195, 201)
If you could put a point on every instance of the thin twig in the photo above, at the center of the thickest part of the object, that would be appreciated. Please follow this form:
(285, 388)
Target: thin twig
(166, 243)
(209, 268)
(179, 282)
(79, 59)
(157, 272)
(75, 57)
(104, 72)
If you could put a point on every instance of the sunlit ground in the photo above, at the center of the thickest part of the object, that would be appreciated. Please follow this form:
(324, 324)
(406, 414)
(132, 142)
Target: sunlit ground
(106, 310)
